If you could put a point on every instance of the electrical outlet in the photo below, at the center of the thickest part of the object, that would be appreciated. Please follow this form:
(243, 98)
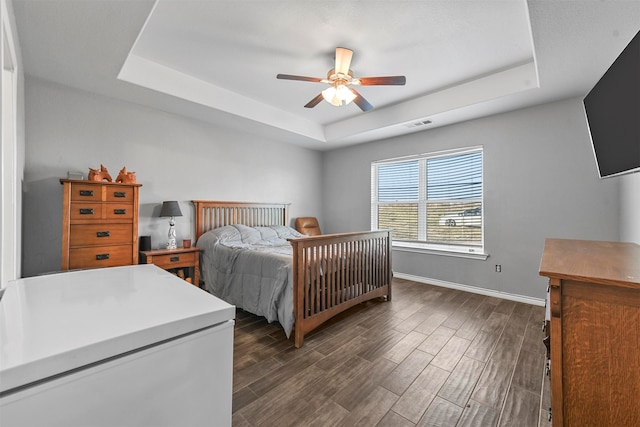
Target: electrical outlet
(498, 268)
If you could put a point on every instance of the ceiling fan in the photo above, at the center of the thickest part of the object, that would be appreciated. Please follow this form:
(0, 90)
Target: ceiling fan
(340, 78)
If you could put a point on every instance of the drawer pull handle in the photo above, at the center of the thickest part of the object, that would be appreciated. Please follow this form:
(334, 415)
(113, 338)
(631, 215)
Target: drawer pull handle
(87, 193)
(103, 234)
(174, 259)
(120, 211)
(121, 194)
(86, 211)
(101, 257)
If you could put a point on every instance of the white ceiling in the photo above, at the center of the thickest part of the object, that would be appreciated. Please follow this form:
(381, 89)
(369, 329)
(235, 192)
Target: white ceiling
(217, 60)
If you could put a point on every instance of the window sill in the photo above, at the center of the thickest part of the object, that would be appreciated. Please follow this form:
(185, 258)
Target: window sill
(417, 248)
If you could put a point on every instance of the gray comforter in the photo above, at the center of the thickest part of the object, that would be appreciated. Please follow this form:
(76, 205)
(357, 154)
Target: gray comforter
(251, 268)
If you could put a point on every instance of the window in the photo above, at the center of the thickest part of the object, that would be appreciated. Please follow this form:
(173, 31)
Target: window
(431, 201)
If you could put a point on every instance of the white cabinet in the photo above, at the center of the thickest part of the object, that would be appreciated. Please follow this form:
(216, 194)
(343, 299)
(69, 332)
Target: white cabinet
(120, 346)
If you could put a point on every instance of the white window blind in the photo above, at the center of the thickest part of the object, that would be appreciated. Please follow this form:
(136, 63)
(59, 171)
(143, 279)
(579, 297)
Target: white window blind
(431, 201)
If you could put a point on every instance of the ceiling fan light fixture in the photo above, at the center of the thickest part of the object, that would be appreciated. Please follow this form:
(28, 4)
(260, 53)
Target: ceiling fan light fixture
(339, 79)
(338, 95)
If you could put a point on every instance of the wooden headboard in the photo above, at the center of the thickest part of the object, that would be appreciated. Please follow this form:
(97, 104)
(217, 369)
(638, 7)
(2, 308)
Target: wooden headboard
(212, 214)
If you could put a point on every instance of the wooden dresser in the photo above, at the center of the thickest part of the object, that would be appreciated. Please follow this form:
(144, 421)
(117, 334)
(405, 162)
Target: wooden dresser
(595, 331)
(99, 224)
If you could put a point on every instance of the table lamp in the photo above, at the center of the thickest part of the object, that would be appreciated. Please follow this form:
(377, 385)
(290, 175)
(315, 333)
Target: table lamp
(172, 210)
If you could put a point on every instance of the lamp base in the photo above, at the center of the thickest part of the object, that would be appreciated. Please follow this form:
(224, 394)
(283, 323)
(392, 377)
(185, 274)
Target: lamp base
(171, 242)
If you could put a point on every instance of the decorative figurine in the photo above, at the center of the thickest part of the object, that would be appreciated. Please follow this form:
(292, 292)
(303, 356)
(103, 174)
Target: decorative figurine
(99, 175)
(126, 177)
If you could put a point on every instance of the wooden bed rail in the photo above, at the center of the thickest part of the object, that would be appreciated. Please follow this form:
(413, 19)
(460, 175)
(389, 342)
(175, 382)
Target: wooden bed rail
(334, 272)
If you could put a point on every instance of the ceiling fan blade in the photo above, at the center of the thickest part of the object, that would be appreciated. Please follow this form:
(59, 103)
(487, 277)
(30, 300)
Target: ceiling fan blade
(315, 101)
(343, 60)
(360, 101)
(301, 78)
(373, 81)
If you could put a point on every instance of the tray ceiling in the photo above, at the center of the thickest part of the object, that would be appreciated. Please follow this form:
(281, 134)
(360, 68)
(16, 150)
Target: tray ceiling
(217, 60)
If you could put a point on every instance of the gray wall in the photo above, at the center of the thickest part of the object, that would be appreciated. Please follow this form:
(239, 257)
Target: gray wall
(175, 158)
(540, 181)
(630, 207)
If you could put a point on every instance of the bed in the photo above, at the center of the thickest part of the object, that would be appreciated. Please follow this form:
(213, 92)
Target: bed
(307, 281)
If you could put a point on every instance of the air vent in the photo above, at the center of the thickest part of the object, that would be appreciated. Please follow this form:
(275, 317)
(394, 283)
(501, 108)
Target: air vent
(418, 124)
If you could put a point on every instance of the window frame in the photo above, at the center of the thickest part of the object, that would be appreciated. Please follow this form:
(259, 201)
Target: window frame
(462, 250)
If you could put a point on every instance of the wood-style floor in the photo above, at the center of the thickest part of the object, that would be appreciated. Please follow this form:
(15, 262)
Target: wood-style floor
(431, 357)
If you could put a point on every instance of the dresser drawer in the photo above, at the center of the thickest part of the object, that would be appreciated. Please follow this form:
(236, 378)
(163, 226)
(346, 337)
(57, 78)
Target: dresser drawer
(175, 260)
(120, 195)
(100, 234)
(101, 211)
(86, 192)
(117, 211)
(100, 256)
(86, 211)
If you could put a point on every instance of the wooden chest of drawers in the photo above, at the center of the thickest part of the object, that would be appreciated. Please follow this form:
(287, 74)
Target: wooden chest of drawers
(594, 301)
(99, 224)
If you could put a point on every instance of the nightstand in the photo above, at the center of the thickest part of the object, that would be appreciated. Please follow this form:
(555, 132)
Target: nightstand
(170, 259)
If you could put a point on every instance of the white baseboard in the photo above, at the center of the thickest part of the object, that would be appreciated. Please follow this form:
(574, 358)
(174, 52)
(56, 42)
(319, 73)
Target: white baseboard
(473, 289)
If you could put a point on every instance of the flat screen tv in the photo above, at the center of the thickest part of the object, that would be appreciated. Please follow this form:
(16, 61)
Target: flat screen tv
(612, 108)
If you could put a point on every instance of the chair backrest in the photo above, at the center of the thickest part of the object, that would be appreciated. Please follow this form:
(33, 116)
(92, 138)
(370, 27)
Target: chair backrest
(308, 225)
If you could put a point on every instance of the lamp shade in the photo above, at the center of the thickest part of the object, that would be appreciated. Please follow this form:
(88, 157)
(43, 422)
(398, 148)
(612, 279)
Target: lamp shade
(170, 209)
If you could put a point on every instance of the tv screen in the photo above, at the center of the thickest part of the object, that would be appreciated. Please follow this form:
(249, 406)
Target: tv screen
(612, 108)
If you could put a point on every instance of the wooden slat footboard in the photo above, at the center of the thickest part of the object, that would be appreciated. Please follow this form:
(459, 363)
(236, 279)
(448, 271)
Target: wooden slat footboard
(334, 272)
